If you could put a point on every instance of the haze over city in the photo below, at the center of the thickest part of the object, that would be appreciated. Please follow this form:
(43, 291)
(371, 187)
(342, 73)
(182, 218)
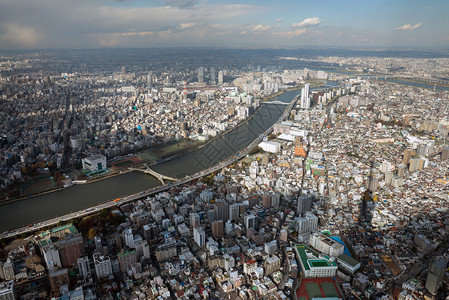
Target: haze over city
(58, 24)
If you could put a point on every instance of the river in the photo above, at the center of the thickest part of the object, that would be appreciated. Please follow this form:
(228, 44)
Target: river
(75, 198)
(78, 197)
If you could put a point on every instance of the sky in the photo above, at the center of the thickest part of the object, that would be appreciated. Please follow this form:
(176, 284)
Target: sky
(66, 24)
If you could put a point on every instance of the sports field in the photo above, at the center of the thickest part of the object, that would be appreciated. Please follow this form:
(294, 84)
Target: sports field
(317, 288)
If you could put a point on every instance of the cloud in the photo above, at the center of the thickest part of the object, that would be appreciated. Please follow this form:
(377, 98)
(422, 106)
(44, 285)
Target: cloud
(308, 22)
(181, 3)
(140, 33)
(20, 35)
(408, 27)
(292, 33)
(186, 25)
(260, 28)
(279, 20)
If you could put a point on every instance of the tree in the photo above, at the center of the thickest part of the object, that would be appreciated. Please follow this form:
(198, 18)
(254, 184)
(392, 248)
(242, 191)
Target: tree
(92, 232)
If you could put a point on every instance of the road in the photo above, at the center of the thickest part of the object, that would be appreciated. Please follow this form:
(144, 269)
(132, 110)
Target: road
(82, 213)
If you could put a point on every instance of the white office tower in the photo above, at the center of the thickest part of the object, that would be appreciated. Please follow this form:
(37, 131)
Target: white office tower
(250, 221)
(8, 291)
(213, 75)
(305, 101)
(149, 80)
(220, 77)
(51, 256)
(307, 224)
(103, 265)
(199, 236)
(129, 238)
(83, 266)
(200, 75)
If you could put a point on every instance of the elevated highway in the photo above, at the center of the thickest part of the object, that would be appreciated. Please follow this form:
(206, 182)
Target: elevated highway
(130, 198)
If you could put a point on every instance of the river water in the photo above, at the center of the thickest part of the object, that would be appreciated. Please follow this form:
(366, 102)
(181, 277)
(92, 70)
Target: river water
(75, 198)
(78, 197)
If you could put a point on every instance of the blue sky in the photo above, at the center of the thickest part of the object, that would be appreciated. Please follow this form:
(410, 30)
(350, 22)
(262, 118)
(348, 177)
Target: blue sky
(245, 23)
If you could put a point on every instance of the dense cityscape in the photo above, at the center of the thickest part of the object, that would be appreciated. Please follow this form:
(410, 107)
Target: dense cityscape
(344, 196)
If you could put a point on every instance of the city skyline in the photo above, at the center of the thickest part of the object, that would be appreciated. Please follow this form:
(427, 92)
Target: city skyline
(190, 23)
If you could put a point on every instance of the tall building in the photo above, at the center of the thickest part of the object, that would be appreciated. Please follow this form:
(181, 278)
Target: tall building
(266, 200)
(218, 228)
(103, 265)
(304, 204)
(445, 153)
(129, 237)
(8, 291)
(407, 156)
(8, 270)
(199, 236)
(272, 264)
(150, 80)
(437, 269)
(200, 75)
(308, 223)
(250, 221)
(213, 76)
(305, 100)
(234, 211)
(220, 77)
(51, 256)
(83, 266)
(194, 220)
(221, 210)
(326, 245)
(70, 249)
(126, 259)
(401, 170)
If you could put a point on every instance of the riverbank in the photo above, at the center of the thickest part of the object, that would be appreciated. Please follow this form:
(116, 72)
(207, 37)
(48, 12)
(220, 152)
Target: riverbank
(175, 155)
(197, 147)
(432, 83)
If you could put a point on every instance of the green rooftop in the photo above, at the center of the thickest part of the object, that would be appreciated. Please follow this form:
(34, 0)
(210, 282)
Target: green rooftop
(126, 253)
(319, 263)
(349, 260)
(69, 228)
(314, 263)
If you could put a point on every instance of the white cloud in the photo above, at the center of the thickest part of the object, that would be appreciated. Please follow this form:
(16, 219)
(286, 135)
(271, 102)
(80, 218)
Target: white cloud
(260, 28)
(279, 20)
(408, 27)
(186, 25)
(308, 22)
(292, 33)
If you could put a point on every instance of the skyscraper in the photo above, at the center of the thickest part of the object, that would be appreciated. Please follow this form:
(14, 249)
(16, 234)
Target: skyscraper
(150, 80)
(304, 204)
(220, 77)
(213, 76)
(437, 268)
(199, 236)
(217, 229)
(305, 101)
(200, 75)
(221, 211)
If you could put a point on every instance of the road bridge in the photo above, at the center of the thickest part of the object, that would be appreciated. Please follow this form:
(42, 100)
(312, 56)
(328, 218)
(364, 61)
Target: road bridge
(130, 198)
(277, 102)
(159, 176)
